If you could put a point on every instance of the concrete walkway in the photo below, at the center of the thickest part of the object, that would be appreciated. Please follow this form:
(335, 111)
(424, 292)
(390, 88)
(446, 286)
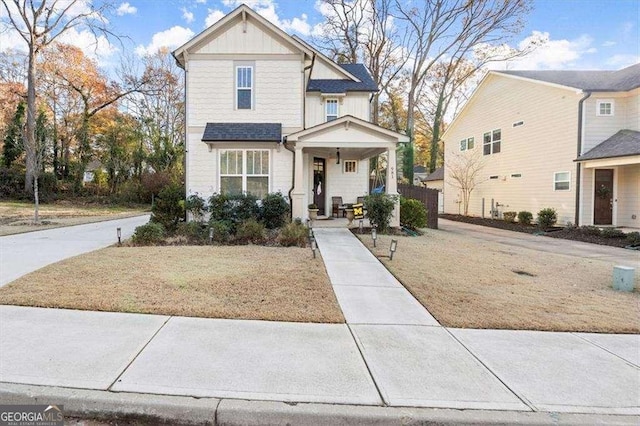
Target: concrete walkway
(392, 363)
(24, 253)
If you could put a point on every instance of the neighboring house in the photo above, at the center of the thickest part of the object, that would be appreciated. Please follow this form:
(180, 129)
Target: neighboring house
(419, 173)
(265, 112)
(90, 171)
(435, 180)
(563, 139)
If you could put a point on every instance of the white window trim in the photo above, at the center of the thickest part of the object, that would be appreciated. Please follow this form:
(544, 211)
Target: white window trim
(326, 108)
(244, 174)
(605, 101)
(556, 181)
(464, 143)
(251, 88)
(491, 142)
(355, 164)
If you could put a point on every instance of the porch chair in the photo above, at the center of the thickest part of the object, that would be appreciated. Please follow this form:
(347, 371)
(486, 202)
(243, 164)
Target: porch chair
(337, 206)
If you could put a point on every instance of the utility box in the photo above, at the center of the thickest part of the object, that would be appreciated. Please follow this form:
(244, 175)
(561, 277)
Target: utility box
(623, 278)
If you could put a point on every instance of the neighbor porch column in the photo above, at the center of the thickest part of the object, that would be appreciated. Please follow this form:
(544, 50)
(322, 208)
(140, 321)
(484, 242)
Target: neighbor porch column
(298, 209)
(392, 183)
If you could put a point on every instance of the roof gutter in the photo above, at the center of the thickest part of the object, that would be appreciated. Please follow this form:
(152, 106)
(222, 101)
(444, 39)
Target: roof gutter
(578, 165)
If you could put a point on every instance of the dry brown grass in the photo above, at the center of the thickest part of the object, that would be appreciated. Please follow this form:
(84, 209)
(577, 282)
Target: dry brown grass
(242, 282)
(470, 283)
(17, 217)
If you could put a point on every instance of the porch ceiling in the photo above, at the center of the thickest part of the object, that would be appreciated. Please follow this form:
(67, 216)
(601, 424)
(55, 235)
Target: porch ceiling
(345, 153)
(611, 162)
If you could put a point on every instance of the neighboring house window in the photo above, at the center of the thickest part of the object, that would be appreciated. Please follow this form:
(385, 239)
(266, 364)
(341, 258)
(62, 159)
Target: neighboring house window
(467, 143)
(604, 107)
(491, 142)
(331, 106)
(561, 181)
(351, 166)
(244, 87)
(244, 171)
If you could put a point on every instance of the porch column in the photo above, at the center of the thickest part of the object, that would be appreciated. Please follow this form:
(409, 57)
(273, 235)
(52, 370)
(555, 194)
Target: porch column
(298, 209)
(392, 183)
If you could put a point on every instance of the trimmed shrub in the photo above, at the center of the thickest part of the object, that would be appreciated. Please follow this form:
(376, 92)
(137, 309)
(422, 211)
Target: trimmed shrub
(193, 232)
(590, 230)
(251, 231)
(293, 234)
(413, 214)
(379, 209)
(525, 217)
(195, 205)
(612, 233)
(547, 217)
(235, 208)
(274, 210)
(221, 230)
(152, 184)
(168, 208)
(149, 234)
(509, 216)
(633, 238)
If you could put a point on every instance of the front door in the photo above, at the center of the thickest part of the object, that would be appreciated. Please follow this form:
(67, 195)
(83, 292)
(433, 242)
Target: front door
(603, 197)
(319, 187)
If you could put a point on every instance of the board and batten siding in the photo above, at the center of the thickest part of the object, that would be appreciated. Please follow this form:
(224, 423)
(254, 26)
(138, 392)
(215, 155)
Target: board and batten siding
(354, 103)
(322, 70)
(546, 143)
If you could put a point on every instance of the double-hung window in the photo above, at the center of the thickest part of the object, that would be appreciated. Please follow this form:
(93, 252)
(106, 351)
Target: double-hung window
(244, 170)
(467, 143)
(244, 87)
(331, 109)
(491, 142)
(561, 181)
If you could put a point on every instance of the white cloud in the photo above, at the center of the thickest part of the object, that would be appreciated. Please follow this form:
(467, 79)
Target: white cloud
(188, 16)
(171, 38)
(126, 9)
(267, 9)
(609, 43)
(622, 61)
(213, 17)
(553, 54)
(201, 1)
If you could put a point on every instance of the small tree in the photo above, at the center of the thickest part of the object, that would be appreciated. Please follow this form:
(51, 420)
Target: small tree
(13, 140)
(464, 171)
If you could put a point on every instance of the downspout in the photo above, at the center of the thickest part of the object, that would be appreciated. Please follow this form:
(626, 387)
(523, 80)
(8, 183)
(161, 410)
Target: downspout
(578, 165)
(304, 90)
(293, 175)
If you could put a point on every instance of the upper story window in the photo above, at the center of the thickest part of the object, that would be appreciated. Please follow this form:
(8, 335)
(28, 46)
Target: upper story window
(331, 109)
(604, 107)
(491, 142)
(467, 143)
(244, 87)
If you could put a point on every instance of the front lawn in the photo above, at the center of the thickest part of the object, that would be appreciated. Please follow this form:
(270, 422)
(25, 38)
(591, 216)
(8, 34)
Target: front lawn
(472, 283)
(240, 282)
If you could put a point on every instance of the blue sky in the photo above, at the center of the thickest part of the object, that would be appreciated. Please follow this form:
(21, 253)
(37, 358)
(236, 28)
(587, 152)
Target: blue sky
(582, 34)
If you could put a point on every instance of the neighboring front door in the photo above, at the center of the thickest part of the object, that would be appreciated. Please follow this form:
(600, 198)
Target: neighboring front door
(319, 187)
(603, 197)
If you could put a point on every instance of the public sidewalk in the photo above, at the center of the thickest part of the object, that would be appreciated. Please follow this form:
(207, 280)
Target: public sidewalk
(392, 363)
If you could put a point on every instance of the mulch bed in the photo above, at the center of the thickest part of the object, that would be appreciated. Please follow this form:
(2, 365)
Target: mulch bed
(574, 234)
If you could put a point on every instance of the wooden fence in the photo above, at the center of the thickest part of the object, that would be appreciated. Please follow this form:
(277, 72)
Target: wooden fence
(428, 197)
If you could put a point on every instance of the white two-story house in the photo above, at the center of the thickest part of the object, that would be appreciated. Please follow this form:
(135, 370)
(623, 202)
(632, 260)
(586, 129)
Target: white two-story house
(569, 140)
(265, 112)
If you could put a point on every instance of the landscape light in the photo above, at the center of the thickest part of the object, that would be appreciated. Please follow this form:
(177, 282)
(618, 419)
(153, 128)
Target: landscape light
(314, 246)
(393, 248)
(119, 232)
(310, 234)
(210, 235)
(361, 226)
(374, 235)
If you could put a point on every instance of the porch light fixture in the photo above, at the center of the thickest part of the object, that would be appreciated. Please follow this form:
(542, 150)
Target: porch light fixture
(374, 235)
(210, 235)
(393, 248)
(314, 247)
(119, 232)
(338, 156)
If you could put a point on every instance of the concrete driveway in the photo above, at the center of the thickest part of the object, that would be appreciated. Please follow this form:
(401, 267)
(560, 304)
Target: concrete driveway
(24, 253)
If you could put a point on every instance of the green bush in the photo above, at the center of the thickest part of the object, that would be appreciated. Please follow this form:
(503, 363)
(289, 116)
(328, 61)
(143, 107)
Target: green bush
(149, 234)
(194, 232)
(590, 230)
(221, 230)
(251, 231)
(547, 217)
(612, 233)
(509, 216)
(413, 214)
(379, 209)
(168, 208)
(633, 238)
(235, 208)
(195, 205)
(11, 183)
(293, 234)
(274, 210)
(525, 217)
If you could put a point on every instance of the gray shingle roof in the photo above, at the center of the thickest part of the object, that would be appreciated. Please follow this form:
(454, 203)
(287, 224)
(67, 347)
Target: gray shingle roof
(622, 144)
(261, 132)
(438, 174)
(366, 83)
(596, 81)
